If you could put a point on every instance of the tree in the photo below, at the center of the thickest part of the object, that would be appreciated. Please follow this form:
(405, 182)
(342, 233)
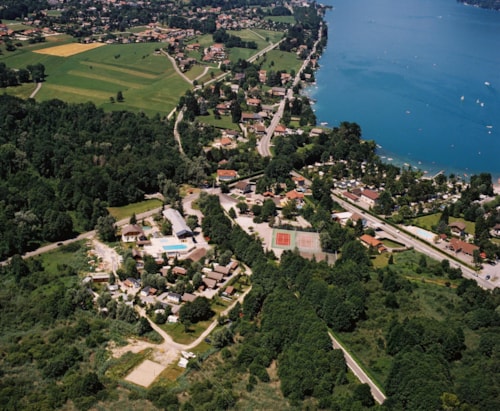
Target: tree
(143, 326)
(222, 337)
(133, 219)
(363, 394)
(195, 311)
(243, 207)
(37, 72)
(119, 97)
(235, 112)
(106, 228)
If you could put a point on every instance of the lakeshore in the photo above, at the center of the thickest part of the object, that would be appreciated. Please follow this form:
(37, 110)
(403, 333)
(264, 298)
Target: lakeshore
(425, 103)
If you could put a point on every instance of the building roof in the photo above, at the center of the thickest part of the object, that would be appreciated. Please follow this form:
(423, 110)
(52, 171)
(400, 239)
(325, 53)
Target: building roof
(280, 128)
(222, 269)
(371, 241)
(179, 270)
(215, 276)
(187, 297)
(350, 196)
(294, 195)
(458, 225)
(372, 195)
(132, 229)
(226, 173)
(243, 186)
(459, 245)
(179, 226)
(209, 282)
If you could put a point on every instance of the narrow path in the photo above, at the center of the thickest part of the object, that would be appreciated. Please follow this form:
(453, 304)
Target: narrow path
(202, 74)
(258, 35)
(358, 371)
(37, 89)
(169, 351)
(179, 72)
(177, 135)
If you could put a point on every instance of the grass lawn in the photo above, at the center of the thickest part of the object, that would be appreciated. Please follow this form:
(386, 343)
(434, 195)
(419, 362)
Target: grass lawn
(148, 81)
(380, 260)
(195, 71)
(281, 19)
(470, 227)
(251, 35)
(73, 255)
(22, 91)
(179, 335)
(273, 36)
(225, 122)
(237, 53)
(204, 40)
(391, 243)
(277, 59)
(121, 213)
(428, 221)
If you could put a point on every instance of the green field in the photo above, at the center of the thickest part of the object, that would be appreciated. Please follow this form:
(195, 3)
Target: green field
(120, 213)
(428, 221)
(273, 36)
(147, 80)
(281, 19)
(225, 122)
(277, 60)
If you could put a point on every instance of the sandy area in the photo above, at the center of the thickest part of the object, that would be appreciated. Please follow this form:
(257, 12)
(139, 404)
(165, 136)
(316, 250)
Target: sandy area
(145, 373)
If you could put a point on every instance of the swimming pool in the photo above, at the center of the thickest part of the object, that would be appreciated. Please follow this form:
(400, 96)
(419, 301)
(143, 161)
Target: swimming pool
(424, 234)
(175, 247)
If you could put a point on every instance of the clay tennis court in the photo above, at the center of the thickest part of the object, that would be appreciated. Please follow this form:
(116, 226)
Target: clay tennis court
(283, 239)
(291, 239)
(67, 50)
(306, 241)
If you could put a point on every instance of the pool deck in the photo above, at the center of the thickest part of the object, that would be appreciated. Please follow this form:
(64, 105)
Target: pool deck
(156, 248)
(421, 233)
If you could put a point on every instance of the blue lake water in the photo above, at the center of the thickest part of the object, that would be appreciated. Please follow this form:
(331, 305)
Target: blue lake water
(421, 77)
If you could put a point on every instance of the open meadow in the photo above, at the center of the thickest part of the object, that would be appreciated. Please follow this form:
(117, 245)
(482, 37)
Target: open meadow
(96, 72)
(80, 73)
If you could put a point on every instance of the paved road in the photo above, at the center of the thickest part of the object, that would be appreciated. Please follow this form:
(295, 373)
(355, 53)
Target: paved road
(358, 371)
(264, 145)
(410, 241)
(83, 236)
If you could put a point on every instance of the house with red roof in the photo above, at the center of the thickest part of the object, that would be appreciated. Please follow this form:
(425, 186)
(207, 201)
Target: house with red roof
(461, 246)
(369, 196)
(226, 175)
(371, 241)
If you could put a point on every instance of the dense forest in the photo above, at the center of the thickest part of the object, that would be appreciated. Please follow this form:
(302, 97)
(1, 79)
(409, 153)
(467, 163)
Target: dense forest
(442, 359)
(62, 164)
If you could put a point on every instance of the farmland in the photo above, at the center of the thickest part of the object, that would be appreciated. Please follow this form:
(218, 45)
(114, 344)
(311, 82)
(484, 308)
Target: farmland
(147, 80)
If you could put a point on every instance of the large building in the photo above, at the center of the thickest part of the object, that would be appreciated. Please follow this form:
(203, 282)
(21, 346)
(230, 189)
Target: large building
(179, 227)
